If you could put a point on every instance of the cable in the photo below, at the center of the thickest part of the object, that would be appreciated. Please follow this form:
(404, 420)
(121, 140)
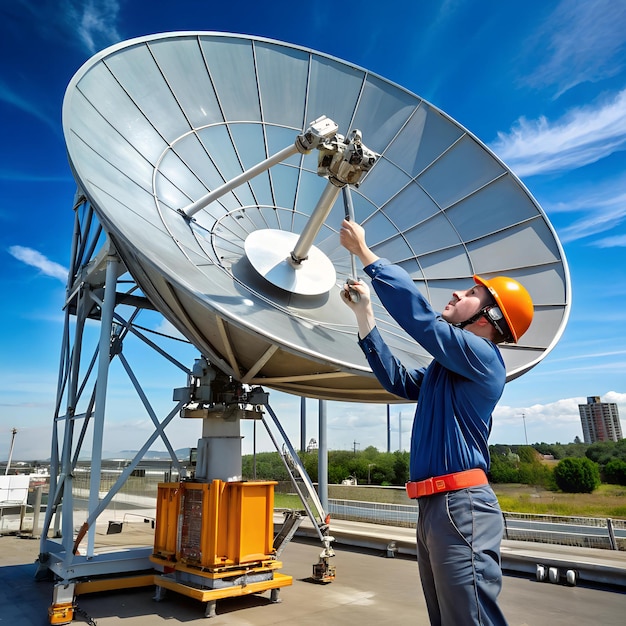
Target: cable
(85, 616)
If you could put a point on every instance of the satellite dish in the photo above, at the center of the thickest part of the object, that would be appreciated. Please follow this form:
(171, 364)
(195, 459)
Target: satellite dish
(189, 148)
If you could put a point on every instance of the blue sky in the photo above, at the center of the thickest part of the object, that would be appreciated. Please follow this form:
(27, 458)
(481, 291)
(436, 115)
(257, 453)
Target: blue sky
(542, 83)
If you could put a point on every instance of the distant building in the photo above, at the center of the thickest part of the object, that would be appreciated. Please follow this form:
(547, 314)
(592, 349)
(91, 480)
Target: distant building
(600, 420)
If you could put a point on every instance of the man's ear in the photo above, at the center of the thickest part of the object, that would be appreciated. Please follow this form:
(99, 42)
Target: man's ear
(482, 321)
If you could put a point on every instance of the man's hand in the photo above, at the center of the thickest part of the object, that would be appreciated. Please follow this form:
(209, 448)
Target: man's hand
(361, 289)
(362, 307)
(352, 238)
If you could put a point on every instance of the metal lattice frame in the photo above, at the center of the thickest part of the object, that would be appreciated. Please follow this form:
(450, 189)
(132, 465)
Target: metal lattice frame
(92, 295)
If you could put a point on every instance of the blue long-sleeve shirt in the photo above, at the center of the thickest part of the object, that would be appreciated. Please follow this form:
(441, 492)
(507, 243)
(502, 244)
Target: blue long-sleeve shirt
(455, 394)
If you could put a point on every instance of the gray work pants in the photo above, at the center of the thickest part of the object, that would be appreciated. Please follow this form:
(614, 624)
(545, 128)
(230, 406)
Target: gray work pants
(458, 552)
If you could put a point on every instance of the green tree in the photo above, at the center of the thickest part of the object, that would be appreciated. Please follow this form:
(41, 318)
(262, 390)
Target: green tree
(527, 454)
(336, 473)
(269, 466)
(504, 465)
(562, 451)
(536, 474)
(601, 452)
(400, 468)
(574, 475)
(620, 450)
(614, 472)
(576, 449)
(370, 453)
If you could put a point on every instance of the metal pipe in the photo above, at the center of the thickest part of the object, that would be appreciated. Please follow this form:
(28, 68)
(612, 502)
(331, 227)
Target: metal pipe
(37, 510)
(303, 424)
(316, 221)
(350, 217)
(104, 360)
(244, 177)
(313, 137)
(322, 457)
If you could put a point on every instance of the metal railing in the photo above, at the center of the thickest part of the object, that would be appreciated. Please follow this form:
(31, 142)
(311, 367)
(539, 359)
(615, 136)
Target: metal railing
(404, 515)
(586, 532)
(579, 531)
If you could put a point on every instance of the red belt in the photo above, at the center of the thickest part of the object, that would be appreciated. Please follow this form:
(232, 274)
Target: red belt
(449, 482)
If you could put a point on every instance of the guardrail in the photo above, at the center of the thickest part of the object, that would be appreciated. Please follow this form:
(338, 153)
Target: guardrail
(586, 532)
(591, 532)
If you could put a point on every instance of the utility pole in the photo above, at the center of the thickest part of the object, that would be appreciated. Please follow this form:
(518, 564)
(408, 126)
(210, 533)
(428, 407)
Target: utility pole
(524, 420)
(388, 429)
(354, 445)
(302, 424)
(369, 476)
(13, 433)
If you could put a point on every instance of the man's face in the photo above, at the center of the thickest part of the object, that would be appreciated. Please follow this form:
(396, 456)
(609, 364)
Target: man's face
(465, 304)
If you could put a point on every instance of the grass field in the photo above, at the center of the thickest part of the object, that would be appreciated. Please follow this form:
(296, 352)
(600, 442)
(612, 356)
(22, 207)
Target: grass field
(606, 501)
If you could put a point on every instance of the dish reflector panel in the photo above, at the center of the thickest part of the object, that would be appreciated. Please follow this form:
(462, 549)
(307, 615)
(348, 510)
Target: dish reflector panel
(154, 124)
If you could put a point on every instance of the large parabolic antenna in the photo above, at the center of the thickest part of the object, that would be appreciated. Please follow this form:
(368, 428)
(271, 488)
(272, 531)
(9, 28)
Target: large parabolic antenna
(156, 125)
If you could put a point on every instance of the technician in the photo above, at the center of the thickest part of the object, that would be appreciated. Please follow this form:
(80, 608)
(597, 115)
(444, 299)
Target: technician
(459, 526)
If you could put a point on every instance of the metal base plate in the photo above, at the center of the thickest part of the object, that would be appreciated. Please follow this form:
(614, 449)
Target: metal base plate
(206, 595)
(269, 252)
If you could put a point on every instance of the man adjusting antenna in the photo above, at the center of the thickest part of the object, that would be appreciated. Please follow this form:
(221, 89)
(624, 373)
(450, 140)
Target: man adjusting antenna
(460, 526)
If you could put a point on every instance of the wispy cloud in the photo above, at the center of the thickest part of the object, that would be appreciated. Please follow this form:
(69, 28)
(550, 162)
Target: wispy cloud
(604, 366)
(602, 209)
(606, 219)
(616, 241)
(92, 25)
(584, 42)
(582, 136)
(36, 259)
(95, 21)
(26, 104)
(589, 355)
(15, 176)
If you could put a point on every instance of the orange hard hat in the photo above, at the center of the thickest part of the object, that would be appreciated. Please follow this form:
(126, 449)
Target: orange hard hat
(513, 300)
